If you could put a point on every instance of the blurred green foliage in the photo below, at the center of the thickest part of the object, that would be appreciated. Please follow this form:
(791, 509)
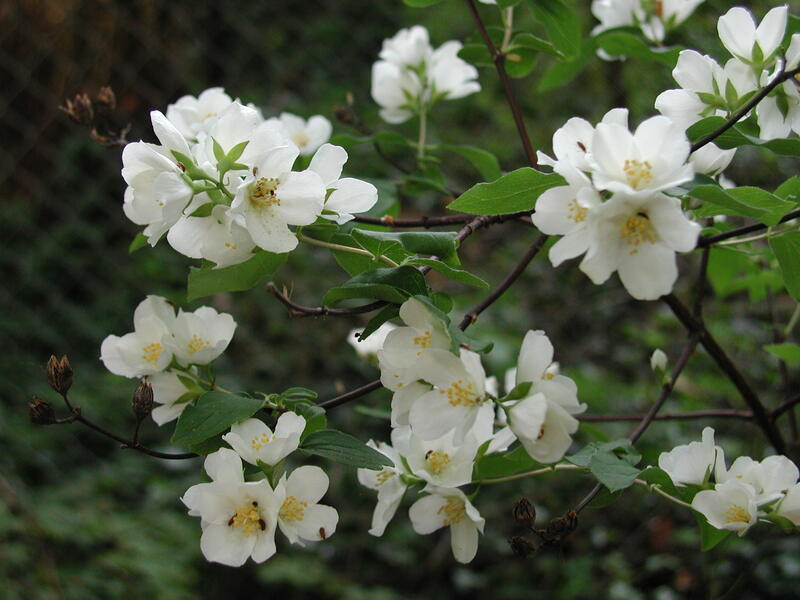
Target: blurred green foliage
(82, 519)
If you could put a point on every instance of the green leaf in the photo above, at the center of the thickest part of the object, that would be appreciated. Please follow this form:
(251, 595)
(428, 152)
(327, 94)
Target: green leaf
(563, 72)
(710, 536)
(790, 190)
(520, 61)
(459, 275)
(731, 271)
(790, 353)
(391, 285)
(751, 202)
(735, 137)
(485, 162)
(343, 448)
(623, 43)
(562, 25)
(612, 471)
(477, 54)
(528, 40)
(421, 3)
(388, 312)
(208, 446)
(211, 414)
(787, 250)
(520, 391)
(437, 243)
(501, 465)
(140, 241)
(236, 278)
(514, 192)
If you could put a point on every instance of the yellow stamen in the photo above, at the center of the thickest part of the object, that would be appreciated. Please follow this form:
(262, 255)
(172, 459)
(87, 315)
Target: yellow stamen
(197, 343)
(247, 519)
(576, 212)
(453, 511)
(301, 139)
(384, 476)
(258, 442)
(262, 192)
(292, 510)
(437, 461)
(424, 340)
(638, 229)
(460, 394)
(736, 514)
(151, 352)
(638, 173)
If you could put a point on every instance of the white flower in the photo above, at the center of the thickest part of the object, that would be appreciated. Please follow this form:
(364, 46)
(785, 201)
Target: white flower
(275, 197)
(156, 193)
(753, 45)
(238, 518)
(450, 76)
(654, 18)
(408, 48)
(613, 13)
(396, 90)
(441, 461)
(650, 160)
(543, 421)
(202, 335)
(790, 505)
(148, 349)
(300, 516)
(307, 135)
(368, 348)
(388, 481)
(770, 478)
(171, 393)
(192, 115)
(711, 160)
(347, 195)
(405, 347)
(449, 508)
(455, 402)
(404, 398)
(658, 361)
(254, 441)
(693, 462)
(217, 238)
(639, 237)
(730, 506)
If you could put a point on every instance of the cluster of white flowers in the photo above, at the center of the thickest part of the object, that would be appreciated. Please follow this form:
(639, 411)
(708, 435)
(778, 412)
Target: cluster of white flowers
(411, 76)
(444, 418)
(654, 17)
(742, 493)
(164, 347)
(613, 208)
(221, 181)
(239, 517)
(708, 89)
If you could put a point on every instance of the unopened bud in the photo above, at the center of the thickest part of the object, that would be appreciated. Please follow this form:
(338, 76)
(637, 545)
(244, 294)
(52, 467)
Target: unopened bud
(79, 109)
(521, 547)
(59, 374)
(41, 412)
(658, 361)
(143, 400)
(524, 512)
(106, 99)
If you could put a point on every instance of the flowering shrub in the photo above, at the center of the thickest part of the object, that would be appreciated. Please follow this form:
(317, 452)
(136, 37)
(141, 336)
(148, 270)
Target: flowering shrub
(238, 192)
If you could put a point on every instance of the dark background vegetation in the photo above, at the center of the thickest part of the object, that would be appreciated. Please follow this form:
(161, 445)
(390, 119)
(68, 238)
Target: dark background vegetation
(81, 519)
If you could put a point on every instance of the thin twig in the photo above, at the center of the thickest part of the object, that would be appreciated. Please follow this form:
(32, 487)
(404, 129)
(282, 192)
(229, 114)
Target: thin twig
(321, 311)
(426, 222)
(351, 395)
(760, 413)
(790, 403)
(781, 77)
(714, 239)
(745, 415)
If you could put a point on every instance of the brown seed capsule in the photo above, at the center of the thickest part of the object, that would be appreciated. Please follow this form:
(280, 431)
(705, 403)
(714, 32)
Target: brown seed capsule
(524, 512)
(41, 412)
(142, 400)
(59, 374)
(79, 109)
(521, 547)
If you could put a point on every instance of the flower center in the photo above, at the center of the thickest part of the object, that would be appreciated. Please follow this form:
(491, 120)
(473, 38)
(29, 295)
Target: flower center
(197, 343)
(453, 511)
(424, 340)
(151, 352)
(637, 229)
(576, 212)
(638, 173)
(460, 394)
(258, 442)
(437, 461)
(292, 510)
(301, 139)
(262, 192)
(384, 476)
(736, 514)
(247, 519)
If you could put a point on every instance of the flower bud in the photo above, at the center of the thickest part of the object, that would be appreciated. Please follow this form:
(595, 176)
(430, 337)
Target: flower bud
(658, 361)
(59, 374)
(521, 547)
(524, 512)
(41, 412)
(79, 109)
(143, 400)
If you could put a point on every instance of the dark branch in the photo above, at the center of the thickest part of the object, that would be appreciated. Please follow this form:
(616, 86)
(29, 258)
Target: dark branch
(745, 415)
(351, 395)
(299, 310)
(426, 222)
(713, 239)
